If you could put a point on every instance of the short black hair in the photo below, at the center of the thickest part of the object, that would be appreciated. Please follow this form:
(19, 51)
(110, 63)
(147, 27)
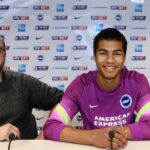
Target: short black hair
(2, 37)
(110, 34)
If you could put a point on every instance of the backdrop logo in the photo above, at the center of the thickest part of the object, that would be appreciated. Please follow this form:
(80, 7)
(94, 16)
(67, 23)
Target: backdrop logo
(79, 118)
(41, 48)
(138, 68)
(40, 68)
(118, 17)
(77, 17)
(21, 38)
(21, 27)
(20, 7)
(59, 78)
(138, 58)
(126, 101)
(39, 37)
(92, 57)
(99, 27)
(120, 27)
(42, 27)
(59, 37)
(99, 7)
(4, 7)
(79, 68)
(40, 57)
(140, 18)
(21, 68)
(79, 37)
(1, 18)
(20, 17)
(41, 7)
(138, 8)
(20, 57)
(61, 87)
(138, 38)
(77, 58)
(39, 118)
(118, 7)
(79, 47)
(60, 48)
(64, 28)
(79, 7)
(4, 27)
(7, 67)
(62, 58)
(60, 68)
(7, 47)
(60, 17)
(98, 17)
(39, 128)
(138, 48)
(21, 48)
(60, 7)
(138, 28)
(40, 17)
(80, 27)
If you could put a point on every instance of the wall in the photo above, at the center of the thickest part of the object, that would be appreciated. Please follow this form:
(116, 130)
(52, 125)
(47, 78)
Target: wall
(52, 39)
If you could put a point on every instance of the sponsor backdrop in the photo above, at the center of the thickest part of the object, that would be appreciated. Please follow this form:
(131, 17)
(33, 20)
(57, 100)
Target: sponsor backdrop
(52, 39)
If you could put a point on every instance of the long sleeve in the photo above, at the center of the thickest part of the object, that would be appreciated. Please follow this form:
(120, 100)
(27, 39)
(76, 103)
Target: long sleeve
(63, 113)
(140, 130)
(40, 94)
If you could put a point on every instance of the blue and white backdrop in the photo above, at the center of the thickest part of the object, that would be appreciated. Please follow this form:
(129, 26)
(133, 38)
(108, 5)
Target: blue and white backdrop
(52, 39)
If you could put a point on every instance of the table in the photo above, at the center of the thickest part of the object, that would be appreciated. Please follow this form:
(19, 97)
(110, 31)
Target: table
(52, 145)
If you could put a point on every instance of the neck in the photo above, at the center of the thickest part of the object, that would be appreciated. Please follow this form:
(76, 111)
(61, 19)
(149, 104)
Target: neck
(108, 84)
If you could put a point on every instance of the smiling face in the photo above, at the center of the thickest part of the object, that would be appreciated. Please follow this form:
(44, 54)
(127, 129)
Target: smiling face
(109, 58)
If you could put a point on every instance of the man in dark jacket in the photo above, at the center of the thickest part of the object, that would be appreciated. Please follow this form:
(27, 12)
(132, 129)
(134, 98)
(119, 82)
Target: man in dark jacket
(19, 94)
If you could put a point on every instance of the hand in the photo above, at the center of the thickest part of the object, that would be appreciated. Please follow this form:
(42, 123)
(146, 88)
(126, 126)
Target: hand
(100, 137)
(6, 129)
(40, 136)
(125, 130)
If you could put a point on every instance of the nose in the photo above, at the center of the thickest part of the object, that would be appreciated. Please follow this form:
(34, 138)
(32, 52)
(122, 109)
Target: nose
(110, 58)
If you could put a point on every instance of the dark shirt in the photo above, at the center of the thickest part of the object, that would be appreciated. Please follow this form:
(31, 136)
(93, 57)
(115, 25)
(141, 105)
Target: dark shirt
(19, 94)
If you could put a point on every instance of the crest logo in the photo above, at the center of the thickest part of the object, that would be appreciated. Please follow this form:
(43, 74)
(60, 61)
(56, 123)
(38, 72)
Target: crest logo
(126, 101)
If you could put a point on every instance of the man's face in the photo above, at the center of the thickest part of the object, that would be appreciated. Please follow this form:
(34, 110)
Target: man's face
(109, 59)
(2, 54)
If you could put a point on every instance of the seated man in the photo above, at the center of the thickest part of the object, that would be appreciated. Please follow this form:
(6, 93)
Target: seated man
(111, 98)
(19, 94)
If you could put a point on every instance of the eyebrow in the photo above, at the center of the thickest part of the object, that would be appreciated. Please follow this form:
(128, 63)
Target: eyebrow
(116, 50)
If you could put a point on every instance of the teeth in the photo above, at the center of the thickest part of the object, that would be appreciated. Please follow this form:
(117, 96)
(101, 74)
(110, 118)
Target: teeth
(109, 68)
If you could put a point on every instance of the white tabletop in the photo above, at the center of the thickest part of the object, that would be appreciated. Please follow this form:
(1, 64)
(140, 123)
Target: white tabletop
(51, 145)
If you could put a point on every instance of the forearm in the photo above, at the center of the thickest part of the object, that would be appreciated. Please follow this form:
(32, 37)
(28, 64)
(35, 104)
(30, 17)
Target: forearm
(95, 137)
(72, 135)
(140, 130)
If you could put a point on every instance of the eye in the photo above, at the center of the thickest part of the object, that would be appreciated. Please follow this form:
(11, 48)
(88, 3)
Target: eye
(102, 53)
(118, 53)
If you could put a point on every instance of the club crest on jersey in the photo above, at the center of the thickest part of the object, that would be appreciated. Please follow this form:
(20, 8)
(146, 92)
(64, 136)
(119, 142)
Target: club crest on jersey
(126, 101)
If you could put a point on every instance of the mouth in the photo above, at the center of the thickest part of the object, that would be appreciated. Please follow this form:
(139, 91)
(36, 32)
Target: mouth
(110, 68)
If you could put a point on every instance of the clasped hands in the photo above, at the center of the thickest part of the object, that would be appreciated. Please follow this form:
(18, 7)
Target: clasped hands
(100, 137)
